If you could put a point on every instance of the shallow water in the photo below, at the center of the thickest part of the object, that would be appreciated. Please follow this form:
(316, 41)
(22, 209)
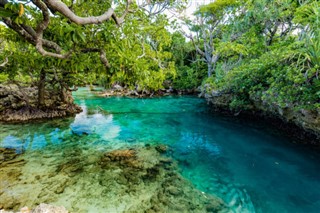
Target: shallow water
(243, 163)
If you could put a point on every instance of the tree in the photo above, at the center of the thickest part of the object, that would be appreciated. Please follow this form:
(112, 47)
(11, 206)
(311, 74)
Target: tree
(274, 60)
(71, 45)
(207, 28)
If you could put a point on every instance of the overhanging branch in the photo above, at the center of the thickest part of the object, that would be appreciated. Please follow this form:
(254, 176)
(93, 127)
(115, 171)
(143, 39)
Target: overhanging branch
(35, 36)
(57, 5)
(103, 56)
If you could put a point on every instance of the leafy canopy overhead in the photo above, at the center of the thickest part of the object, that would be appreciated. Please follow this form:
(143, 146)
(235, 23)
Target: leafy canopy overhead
(124, 45)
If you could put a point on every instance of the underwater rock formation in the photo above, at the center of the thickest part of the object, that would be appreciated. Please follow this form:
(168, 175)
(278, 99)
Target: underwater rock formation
(10, 172)
(130, 179)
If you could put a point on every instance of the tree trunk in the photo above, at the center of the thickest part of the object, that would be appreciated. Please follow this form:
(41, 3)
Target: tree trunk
(64, 93)
(41, 88)
(210, 69)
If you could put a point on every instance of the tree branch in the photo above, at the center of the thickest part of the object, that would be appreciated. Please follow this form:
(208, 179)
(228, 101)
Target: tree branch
(46, 43)
(40, 29)
(194, 44)
(57, 5)
(5, 62)
(103, 57)
(35, 36)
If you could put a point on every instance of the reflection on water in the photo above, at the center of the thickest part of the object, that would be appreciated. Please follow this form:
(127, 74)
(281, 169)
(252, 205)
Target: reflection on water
(99, 124)
(251, 170)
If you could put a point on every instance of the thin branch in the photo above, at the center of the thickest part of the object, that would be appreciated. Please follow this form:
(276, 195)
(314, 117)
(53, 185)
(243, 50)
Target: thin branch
(103, 56)
(46, 43)
(6, 60)
(193, 42)
(104, 59)
(40, 29)
(143, 51)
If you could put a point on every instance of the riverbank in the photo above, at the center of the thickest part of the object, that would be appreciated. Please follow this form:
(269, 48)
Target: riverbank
(302, 125)
(20, 104)
(117, 90)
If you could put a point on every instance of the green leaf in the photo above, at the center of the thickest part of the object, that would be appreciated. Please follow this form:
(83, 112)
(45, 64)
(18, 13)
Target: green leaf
(5, 13)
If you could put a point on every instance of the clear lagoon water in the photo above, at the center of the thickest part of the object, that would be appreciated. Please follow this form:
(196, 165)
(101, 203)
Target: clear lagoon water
(241, 162)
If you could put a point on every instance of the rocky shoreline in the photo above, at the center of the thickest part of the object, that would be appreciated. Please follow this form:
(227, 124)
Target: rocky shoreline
(20, 104)
(302, 125)
(118, 90)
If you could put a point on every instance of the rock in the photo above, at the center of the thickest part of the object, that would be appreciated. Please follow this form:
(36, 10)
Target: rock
(72, 167)
(122, 180)
(9, 156)
(117, 155)
(46, 208)
(211, 208)
(60, 189)
(21, 104)
(137, 178)
(9, 203)
(174, 190)
(152, 173)
(117, 87)
(25, 210)
(123, 158)
(166, 161)
(215, 93)
(162, 148)
(302, 124)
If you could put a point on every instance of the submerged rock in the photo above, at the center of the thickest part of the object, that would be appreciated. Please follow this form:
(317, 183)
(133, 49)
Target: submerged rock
(126, 158)
(7, 154)
(42, 208)
(119, 155)
(162, 148)
(134, 179)
(166, 191)
(46, 208)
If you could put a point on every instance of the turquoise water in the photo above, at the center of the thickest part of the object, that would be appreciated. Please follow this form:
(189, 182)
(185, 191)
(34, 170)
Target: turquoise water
(251, 169)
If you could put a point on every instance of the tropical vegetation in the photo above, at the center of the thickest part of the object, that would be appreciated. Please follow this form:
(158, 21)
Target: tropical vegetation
(254, 49)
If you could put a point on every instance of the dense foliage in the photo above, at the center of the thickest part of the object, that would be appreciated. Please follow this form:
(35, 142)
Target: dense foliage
(269, 52)
(258, 50)
(132, 52)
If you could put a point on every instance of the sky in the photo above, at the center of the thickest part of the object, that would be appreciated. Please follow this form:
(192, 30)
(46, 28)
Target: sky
(194, 4)
(191, 8)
